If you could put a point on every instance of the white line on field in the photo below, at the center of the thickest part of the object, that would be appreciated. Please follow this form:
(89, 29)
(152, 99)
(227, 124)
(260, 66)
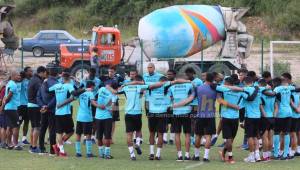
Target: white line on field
(194, 165)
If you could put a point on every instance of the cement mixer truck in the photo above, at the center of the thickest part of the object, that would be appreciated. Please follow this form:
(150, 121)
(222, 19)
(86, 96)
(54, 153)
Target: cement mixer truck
(168, 37)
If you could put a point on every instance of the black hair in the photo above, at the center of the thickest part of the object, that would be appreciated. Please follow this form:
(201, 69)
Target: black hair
(209, 77)
(229, 80)
(251, 74)
(266, 74)
(92, 70)
(243, 71)
(276, 82)
(27, 68)
(90, 84)
(41, 69)
(190, 70)
(172, 71)
(248, 80)
(112, 68)
(287, 76)
(262, 82)
(22, 74)
(235, 79)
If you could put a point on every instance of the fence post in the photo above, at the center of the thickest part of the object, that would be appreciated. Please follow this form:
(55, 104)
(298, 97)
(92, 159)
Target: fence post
(262, 56)
(22, 54)
(81, 59)
(142, 57)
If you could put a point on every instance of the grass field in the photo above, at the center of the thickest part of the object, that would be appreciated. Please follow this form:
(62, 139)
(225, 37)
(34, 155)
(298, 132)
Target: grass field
(24, 160)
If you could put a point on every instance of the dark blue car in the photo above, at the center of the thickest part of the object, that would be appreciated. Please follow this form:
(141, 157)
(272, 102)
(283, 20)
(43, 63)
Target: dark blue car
(48, 42)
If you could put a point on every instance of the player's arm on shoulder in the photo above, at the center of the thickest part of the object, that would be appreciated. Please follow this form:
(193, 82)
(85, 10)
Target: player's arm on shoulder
(185, 101)
(156, 85)
(234, 88)
(180, 81)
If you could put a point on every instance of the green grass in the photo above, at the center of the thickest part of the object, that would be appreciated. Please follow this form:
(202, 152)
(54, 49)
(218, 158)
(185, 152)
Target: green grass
(24, 160)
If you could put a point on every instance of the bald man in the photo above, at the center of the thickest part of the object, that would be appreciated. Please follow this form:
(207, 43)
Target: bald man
(10, 105)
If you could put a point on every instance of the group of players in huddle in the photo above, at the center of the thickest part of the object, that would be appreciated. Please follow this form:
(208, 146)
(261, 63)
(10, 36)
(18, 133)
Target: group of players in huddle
(268, 109)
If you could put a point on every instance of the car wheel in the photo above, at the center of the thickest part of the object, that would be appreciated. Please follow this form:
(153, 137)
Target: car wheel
(37, 52)
(76, 71)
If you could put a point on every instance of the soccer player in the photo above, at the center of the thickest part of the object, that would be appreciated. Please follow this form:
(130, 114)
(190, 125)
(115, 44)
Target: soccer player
(190, 73)
(252, 119)
(106, 102)
(10, 104)
(295, 125)
(33, 107)
(229, 117)
(132, 75)
(63, 119)
(268, 109)
(22, 109)
(181, 116)
(3, 125)
(85, 119)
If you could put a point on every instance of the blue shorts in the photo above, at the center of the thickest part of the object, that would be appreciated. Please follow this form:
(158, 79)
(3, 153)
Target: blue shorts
(3, 120)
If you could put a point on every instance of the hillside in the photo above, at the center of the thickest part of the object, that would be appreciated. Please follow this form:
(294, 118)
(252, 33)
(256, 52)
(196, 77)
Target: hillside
(269, 18)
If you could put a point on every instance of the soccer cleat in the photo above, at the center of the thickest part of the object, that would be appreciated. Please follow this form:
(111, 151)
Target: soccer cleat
(157, 158)
(230, 161)
(249, 160)
(283, 158)
(78, 155)
(10, 147)
(43, 152)
(165, 142)
(171, 142)
(4, 146)
(151, 157)
(187, 158)
(25, 142)
(213, 141)
(133, 158)
(257, 158)
(276, 158)
(18, 148)
(179, 159)
(109, 157)
(138, 150)
(196, 158)
(206, 160)
(290, 157)
(56, 149)
(90, 155)
(60, 154)
(297, 154)
(35, 150)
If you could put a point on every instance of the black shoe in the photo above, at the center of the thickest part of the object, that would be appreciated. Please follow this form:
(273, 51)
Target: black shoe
(276, 158)
(206, 160)
(43, 152)
(297, 154)
(90, 155)
(171, 142)
(10, 147)
(138, 150)
(165, 142)
(283, 158)
(151, 157)
(290, 157)
(196, 158)
(133, 158)
(187, 158)
(109, 157)
(179, 159)
(18, 148)
(157, 158)
(4, 146)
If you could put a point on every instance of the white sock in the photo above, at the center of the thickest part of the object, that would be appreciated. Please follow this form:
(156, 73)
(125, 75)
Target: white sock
(298, 149)
(179, 154)
(229, 153)
(225, 140)
(84, 137)
(24, 138)
(206, 153)
(257, 154)
(260, 141)
(93, 137)
(151, 149)
(203, 141)
(172, 136)
(187, 154)
(158, 152)
(61, 148)
(265, 154)
(134, 135)
(165, 137)
(197, 152)
(131, 152)
(138, 141)
(292, 152)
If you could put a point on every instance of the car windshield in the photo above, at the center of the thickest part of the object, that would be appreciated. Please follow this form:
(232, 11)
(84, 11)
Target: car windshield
(108, 39)
(62, 36)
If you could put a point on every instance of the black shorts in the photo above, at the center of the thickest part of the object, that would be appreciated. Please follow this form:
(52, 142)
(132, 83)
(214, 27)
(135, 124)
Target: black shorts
(282, 125)
(104, 127)
(182, 122)
(64, 124)
(34, 115)
(205, 126)
(229, 128)
(266, 124)
(3, 120)
(94, 111)
(133, 123)
(12, 118)
(85, 128)
(252, 127)
(169, 116)
(295, 125)
(23, 113)
(194, 112)
(157, 122)
(116, 113)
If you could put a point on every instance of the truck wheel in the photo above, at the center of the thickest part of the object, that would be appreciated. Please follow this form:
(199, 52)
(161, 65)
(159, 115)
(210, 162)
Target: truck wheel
(220, 68)
(76, 71)
(37, 52)
(196, 68)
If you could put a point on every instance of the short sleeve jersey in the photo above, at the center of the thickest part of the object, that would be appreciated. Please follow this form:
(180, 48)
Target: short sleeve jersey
(84, 113)
(15, 100)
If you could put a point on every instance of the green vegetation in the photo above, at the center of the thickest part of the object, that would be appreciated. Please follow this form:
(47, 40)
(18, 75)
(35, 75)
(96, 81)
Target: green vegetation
(78, 16)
